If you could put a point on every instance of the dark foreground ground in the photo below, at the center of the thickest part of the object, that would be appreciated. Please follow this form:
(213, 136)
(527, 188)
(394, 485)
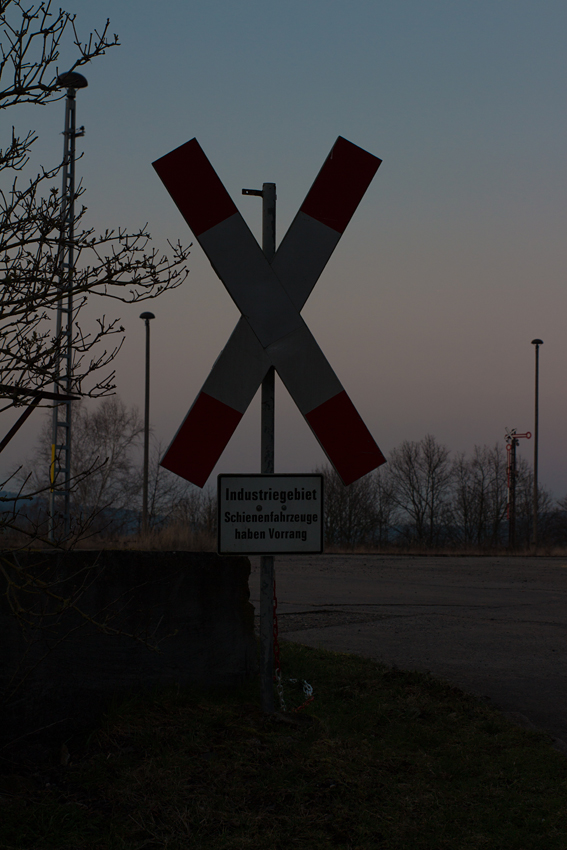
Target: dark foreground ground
(496, 627)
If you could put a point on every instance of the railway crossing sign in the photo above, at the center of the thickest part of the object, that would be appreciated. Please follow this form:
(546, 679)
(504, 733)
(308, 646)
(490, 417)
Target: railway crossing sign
(270, 296)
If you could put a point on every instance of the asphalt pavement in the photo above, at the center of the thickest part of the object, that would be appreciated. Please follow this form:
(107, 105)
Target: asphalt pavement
(494, 626)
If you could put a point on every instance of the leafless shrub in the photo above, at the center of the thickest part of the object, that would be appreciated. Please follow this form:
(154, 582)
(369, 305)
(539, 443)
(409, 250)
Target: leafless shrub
(426, 501)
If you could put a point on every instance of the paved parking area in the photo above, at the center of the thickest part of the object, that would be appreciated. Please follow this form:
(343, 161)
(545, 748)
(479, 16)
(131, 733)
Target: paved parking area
(496, 627)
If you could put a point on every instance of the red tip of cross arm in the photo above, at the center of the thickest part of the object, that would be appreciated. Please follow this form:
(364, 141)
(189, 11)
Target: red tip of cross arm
(195, 187)
(340, 185)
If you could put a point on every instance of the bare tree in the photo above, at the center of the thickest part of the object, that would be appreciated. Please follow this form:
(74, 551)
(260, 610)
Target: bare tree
(168, 494)
(194, 517)
(424, 497)
(479, 497)
(105, 471)
(385, 507)
(358, 513)
(421, 476)
(497, 493)
(104, 462)
(121, 265)
(118, 264)
(31, 41)
(107, 474)
(465, 502)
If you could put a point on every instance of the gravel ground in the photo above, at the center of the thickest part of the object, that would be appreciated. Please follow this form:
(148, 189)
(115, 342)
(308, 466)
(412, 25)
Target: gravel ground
(318, 620)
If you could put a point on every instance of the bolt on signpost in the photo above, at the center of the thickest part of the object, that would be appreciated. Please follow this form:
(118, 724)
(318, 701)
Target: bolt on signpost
(267, 449)
(270, 289)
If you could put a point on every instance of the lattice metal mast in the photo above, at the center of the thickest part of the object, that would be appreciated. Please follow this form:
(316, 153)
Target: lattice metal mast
(60, 468)
(512, 441)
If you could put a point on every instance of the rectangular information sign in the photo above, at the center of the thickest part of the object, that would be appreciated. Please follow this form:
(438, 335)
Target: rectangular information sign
(270, 514)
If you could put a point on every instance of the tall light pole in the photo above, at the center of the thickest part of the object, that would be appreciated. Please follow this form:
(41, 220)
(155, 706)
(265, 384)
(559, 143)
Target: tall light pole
(63, 371)
(146, 317)
(537, 343)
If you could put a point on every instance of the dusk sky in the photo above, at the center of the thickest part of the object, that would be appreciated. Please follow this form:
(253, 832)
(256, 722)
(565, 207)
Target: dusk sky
(455, 259)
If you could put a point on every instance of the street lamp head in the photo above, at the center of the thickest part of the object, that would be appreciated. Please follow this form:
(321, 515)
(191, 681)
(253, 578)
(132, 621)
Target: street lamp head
(72, 80)
(147, 316)
(537, 341)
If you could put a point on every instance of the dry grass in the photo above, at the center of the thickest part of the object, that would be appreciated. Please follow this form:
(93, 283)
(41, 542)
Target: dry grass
(382, 759)
(178, 537)
(449, 551)
(173, 538)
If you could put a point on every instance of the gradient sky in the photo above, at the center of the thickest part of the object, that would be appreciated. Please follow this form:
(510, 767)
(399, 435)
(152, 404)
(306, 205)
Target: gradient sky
(455, 259)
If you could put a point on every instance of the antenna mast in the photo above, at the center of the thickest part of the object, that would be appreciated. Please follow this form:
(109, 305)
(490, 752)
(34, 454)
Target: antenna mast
(60, 467)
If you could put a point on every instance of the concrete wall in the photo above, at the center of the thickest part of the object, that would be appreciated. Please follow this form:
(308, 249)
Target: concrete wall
(194, 606)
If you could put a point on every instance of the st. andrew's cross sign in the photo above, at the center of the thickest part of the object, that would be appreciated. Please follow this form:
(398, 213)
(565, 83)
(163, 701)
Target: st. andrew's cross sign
(270, 296)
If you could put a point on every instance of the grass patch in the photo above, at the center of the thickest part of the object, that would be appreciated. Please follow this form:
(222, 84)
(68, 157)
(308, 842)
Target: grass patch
(381, 759)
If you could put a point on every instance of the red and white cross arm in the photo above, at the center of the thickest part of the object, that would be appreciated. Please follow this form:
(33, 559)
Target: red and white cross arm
(271, 331)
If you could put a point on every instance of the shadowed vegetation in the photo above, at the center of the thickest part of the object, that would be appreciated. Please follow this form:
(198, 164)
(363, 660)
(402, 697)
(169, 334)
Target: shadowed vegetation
(382, 758)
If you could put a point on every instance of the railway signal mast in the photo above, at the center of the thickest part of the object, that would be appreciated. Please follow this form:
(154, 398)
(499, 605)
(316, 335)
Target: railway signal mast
(512, 441)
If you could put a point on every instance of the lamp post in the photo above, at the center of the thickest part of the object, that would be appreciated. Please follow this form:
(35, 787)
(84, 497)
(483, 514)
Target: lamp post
(537, 343)
(146, 317)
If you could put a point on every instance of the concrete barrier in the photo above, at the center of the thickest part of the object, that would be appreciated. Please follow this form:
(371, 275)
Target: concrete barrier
(111, 622)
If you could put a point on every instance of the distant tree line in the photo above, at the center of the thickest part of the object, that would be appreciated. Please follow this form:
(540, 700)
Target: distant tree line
(107, 481)
(425, 497)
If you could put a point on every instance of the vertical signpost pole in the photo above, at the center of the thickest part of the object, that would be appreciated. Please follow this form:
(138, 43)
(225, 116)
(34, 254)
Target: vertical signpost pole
(267, 468)
(267, 431)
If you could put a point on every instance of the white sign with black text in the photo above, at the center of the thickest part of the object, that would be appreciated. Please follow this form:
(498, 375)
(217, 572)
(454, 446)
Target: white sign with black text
(270, 514)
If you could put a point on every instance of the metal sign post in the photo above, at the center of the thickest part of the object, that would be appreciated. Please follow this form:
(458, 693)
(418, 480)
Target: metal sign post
(265, 514)
(267, 450)
(269, 288)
